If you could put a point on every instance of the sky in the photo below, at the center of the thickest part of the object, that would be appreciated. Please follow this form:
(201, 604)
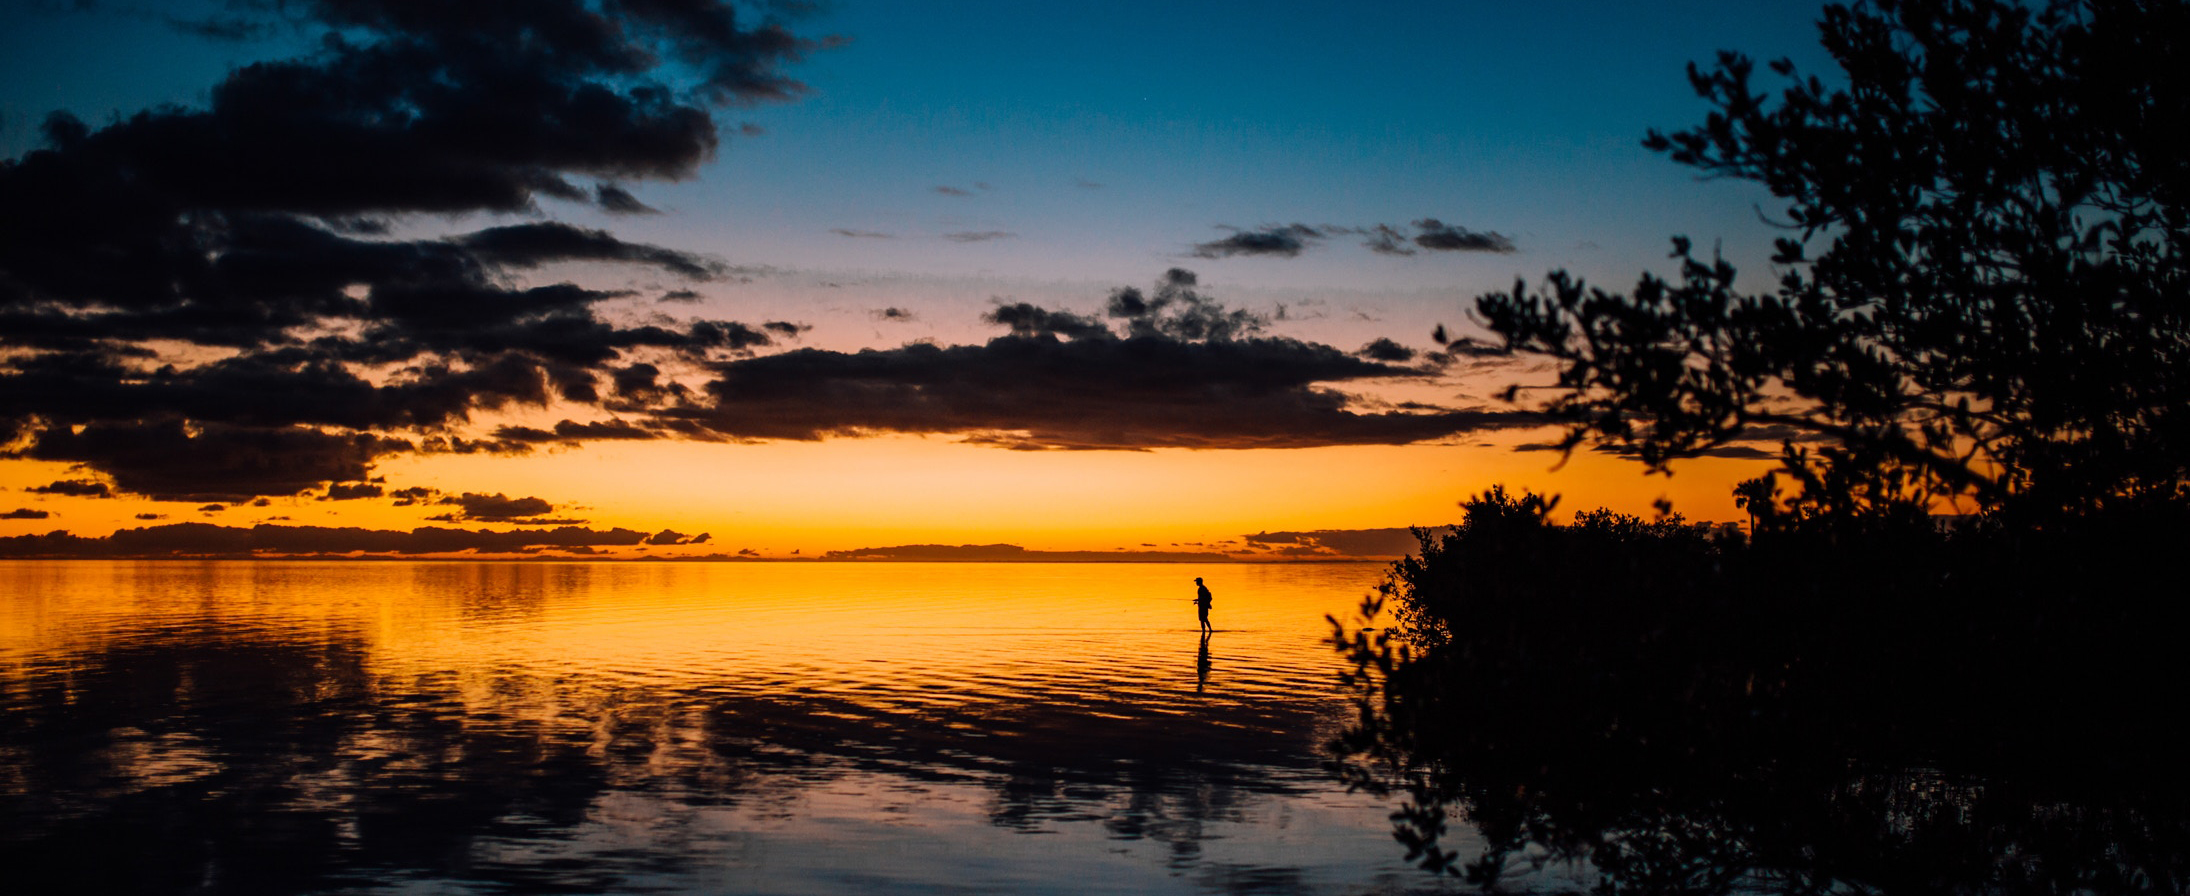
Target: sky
(680, 279)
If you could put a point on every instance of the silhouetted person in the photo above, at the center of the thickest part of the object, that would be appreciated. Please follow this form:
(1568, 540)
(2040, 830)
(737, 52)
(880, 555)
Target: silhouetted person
(1201, 603)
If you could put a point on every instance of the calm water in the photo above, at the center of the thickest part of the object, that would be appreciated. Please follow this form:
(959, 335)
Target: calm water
(751, 728)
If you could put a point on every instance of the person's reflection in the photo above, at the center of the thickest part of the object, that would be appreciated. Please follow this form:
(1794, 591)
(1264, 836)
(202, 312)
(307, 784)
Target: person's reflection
(1201, 665)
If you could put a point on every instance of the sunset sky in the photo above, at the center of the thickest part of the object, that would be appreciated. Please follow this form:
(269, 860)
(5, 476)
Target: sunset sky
(1139, 276)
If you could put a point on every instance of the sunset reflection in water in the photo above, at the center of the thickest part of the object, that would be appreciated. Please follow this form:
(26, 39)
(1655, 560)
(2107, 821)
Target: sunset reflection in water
(760, 727)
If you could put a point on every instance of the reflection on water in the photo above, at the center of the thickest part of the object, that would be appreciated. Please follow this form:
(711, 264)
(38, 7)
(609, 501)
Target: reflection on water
(301, 727)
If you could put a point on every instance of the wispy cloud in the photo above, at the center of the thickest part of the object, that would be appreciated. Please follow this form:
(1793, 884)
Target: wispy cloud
(1384, 239)
(1438, 236)
(79, 488)
(1290, 240)
(618, 201)
(353, 491)
(500, 508)
(1384, 349)
(978, 236)
(1283, 241)
(572, 431)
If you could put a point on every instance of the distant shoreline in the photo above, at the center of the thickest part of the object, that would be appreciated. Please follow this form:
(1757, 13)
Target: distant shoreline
(383, 558)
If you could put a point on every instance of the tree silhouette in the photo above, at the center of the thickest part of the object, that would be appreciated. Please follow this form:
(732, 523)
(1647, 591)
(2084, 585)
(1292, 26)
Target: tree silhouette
(1980, 302)
(1997, 314)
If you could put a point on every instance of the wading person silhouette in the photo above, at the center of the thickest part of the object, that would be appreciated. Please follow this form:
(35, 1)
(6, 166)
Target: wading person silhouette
(1201, 603)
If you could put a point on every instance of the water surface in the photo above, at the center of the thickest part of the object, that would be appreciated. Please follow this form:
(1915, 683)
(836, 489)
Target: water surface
(756, 728)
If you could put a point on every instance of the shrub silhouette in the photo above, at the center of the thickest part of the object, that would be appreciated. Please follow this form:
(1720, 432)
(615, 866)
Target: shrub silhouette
(1917, 708)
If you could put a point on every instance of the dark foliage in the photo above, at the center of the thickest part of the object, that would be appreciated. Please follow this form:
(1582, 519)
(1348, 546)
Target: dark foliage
(1916, 709)
(1997, 313)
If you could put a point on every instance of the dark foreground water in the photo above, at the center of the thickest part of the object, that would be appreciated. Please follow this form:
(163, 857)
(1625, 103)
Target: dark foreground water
(183, 727)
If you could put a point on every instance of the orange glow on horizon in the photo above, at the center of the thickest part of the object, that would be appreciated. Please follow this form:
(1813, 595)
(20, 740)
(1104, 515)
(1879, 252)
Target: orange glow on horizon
(778, 497)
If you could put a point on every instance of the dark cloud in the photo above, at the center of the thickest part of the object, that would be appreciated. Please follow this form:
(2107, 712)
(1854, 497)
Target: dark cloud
(893, 313)
(79, 488)
(861, 234)
(618, 201)
(529, 245)
(1439, 236)
(1384, 239)
(671, 536)
(640, 386)
(222, 28)
(1176, 310)
(1289, 240)
(169, 461)
(1283, 241)
(24, 513)
(1029, 320)
(1383, 349)
(1178, 370)
(681, 295)
(212, 508)
(979, 236)
(570, 431)
(948, 190)
(456, 107)
(206, 539)
(497, 507)
(352, 491)
(151, 516)
(257, 230)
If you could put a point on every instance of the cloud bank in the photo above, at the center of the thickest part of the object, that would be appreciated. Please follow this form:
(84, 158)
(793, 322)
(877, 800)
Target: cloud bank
(254, 232)
(1165, 368)
(209, 540)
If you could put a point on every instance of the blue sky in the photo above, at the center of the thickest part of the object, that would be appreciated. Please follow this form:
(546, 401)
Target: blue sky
(1107, 139)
